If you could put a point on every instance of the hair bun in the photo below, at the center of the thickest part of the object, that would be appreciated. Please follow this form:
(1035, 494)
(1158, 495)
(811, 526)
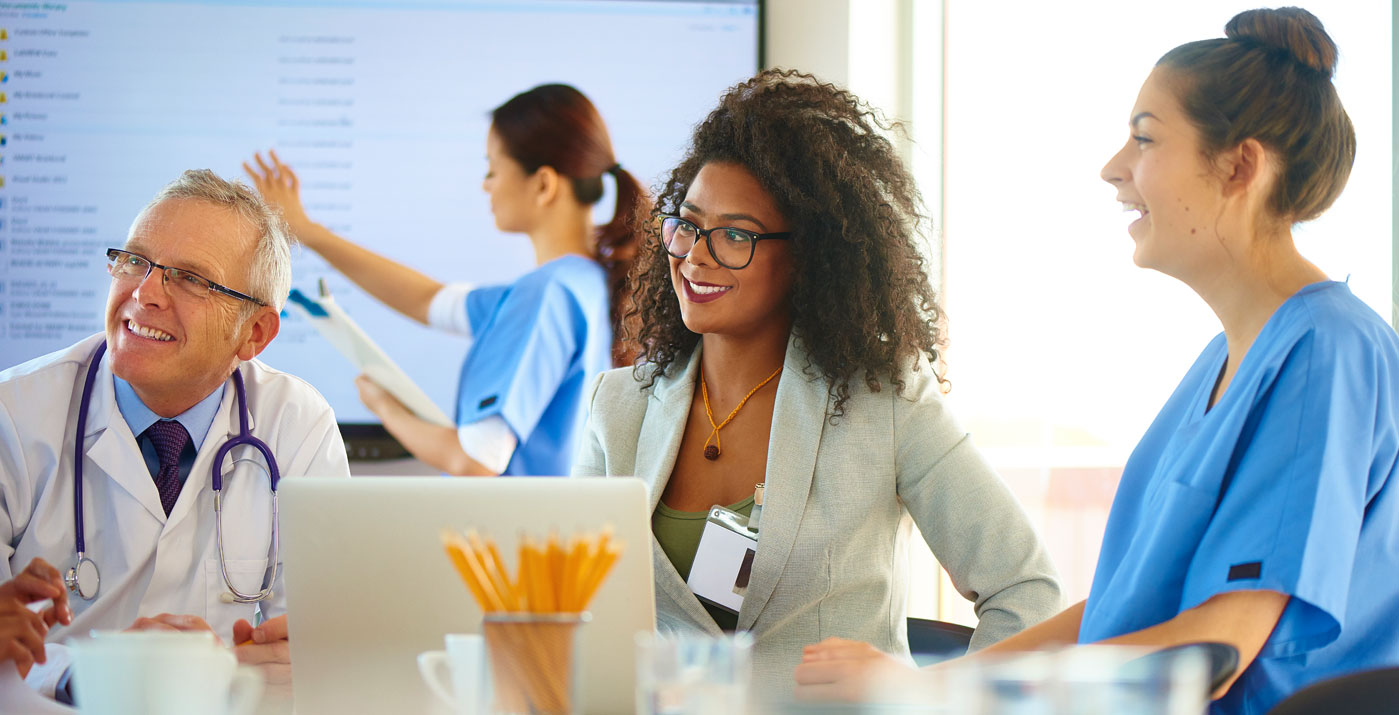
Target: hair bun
(1288, 28)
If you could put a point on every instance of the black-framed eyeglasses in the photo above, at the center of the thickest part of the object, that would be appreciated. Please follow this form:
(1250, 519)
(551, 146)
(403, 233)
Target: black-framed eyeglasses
(128, 266)
(731, 247)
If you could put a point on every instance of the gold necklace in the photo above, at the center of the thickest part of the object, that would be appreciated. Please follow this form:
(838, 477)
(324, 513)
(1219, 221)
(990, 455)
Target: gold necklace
(712, 451)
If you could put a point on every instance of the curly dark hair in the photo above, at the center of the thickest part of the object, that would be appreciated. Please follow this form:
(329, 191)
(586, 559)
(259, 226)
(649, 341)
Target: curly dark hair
(861, 301)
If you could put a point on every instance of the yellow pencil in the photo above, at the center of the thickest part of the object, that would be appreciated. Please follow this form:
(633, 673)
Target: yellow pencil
(516, 596)
(454, 546)
(605, 563)
(495, 573)
(542, 581)
(535, 559)
(556, 562)
(549, 577)
(580, 577)
(512, 595)
(493, 600)
(603, 538)
(522, 582)
(573, 569)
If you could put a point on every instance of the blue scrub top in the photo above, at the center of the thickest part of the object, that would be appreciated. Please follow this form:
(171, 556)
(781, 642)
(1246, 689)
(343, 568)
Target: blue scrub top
(537, 343)
(1286, 484)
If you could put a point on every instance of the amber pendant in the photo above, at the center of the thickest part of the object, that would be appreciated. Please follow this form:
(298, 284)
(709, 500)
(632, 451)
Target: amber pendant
(711, 453)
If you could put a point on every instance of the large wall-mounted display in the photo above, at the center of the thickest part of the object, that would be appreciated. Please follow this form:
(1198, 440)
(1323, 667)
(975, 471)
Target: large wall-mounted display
(381, 107)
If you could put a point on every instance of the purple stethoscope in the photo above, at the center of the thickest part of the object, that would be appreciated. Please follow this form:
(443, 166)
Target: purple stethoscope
(84, 579)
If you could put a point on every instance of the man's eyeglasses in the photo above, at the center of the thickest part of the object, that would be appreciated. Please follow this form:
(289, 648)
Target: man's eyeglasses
(731, 248)
(128, 266)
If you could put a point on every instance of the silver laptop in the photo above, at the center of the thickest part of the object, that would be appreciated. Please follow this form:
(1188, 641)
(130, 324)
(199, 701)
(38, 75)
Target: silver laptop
(369, 586)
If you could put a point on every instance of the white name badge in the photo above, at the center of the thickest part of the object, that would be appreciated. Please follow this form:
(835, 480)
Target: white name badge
(724, 560)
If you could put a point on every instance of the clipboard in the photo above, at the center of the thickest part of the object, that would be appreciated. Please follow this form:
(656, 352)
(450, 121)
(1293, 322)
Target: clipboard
(336, 326)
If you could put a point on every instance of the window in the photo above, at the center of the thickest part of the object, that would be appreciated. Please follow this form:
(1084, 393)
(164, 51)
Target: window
(1062, 350)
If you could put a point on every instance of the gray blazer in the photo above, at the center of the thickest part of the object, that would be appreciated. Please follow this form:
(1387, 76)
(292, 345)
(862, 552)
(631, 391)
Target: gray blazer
(831, 558)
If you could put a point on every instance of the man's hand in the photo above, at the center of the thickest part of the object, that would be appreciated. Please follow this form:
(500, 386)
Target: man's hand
(172, 622)
(266, 647)
(22, 631)
(845, 670)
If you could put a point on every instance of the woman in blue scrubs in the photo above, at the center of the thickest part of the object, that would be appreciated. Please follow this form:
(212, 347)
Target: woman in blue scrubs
(1260, 507)
(536, 341)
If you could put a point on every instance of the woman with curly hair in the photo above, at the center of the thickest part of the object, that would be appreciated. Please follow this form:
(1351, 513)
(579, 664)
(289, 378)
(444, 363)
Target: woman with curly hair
(791, 338)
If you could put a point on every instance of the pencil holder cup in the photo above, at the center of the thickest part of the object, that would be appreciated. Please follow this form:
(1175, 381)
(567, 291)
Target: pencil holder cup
(534, 663)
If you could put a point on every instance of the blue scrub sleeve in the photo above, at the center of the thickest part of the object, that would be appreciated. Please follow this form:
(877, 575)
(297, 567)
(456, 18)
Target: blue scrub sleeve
(521, 355)
(482, 304)
(1290, 512)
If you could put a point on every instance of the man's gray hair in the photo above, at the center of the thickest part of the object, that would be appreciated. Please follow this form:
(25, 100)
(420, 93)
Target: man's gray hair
(269, 276)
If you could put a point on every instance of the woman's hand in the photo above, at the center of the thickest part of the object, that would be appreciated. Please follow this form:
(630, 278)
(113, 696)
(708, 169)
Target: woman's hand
(849, 671)
(22, 631)
(434, 444)
(175, 623)
(279, 187)
(377, 399)
(398, 286)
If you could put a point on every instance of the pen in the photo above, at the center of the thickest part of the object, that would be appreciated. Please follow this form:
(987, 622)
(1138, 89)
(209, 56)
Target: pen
(257, 621)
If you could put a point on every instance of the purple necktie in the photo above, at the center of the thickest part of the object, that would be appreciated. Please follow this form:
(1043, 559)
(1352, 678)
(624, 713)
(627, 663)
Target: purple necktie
(169, 439)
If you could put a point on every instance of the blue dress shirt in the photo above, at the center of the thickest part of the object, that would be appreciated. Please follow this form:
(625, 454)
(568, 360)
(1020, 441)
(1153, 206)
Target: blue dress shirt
(196, 420)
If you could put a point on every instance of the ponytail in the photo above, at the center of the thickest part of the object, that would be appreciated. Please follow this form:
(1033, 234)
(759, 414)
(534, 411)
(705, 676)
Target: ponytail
(616, 251)
(555, 125)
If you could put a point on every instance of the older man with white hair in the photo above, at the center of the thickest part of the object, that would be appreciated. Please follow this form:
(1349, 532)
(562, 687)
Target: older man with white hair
(113, 455)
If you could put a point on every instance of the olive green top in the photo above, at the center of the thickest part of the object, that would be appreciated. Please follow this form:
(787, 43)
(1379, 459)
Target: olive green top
(678, 533)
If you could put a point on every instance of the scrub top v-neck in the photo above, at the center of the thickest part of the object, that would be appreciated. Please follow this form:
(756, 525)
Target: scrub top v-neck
(1285, 484)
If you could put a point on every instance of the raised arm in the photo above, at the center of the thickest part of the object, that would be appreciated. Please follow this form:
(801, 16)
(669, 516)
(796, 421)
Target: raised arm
(396, 285)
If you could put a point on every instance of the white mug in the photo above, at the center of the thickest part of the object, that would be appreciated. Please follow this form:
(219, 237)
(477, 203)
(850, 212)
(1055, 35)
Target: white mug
(465, 658)
(161, 673)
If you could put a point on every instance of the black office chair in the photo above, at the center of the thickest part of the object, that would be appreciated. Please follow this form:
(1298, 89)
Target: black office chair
(1222, 659)
(937, 639)
(1371, 692)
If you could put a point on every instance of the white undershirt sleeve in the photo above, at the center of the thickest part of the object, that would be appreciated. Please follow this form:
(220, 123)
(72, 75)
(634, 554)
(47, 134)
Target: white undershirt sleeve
(489, 441)
(447, 311)
(45, 678)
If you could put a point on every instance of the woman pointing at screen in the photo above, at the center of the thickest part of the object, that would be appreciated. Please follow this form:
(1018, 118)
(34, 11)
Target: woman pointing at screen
(536, 341)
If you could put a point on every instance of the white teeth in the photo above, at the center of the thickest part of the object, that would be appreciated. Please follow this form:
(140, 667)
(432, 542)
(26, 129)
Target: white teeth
(706, 290)
(147, 332)
(1129, 206)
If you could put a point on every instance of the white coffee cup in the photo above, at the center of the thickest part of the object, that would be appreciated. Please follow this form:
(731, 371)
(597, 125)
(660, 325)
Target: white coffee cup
(465, 658)
(161, 673)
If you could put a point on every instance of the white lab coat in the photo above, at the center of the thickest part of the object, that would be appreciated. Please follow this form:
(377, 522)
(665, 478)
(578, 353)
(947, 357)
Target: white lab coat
(149, 564)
